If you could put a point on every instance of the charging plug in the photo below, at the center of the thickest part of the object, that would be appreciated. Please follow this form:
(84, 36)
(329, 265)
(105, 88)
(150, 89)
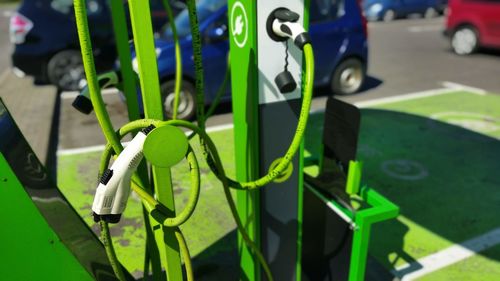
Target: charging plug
(282, 24)
(113, 190)
(83, 103)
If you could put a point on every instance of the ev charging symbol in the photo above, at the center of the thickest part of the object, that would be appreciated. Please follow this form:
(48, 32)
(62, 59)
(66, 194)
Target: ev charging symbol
(239, 24)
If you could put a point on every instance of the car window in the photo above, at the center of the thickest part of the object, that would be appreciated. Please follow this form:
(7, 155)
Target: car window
(325, 10)
(204, 9)
(219, 27)
(66, 6)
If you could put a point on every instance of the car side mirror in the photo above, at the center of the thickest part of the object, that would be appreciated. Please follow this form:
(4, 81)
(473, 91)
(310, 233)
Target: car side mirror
(216, 34)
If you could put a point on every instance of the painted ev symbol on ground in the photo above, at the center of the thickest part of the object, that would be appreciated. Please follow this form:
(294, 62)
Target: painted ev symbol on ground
(239, 24)
(404, 169)
(480, 123)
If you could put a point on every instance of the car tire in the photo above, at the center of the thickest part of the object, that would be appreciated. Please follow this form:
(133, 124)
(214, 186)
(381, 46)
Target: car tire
(430, 13)
(65, 70)
(464, 40)
(348, 77)
(187, 100)
(389, 15)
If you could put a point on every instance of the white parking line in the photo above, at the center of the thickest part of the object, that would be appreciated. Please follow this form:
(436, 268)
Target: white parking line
(460, 87)
(451, 88)
(73, 94)
(82, 150)
(405, 97)
(7, 13)
(424, 28)
(448, 256)
(97, 148)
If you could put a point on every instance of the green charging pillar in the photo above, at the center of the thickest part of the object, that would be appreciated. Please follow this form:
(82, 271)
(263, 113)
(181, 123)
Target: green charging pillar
(265, 122)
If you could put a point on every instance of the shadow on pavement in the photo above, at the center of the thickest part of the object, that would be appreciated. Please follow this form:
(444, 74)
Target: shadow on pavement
(371, 82)
(443, 177)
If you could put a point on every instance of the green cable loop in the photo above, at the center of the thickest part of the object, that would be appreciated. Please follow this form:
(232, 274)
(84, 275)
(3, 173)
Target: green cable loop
(301, 126)
(209, 149)
(215, 163)
(139, 124)
(151, 204)
(178, 58)
(188, 210)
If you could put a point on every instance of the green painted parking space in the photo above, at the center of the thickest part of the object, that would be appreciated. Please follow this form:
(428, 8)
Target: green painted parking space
(436, 157)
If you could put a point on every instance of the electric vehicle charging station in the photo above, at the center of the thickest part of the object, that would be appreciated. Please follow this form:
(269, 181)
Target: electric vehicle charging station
(265, 121)
(272, 89)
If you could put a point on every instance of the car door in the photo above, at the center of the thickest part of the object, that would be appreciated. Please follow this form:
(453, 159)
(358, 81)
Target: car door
(412, 6)
(490, 14)
(328, 28)
(214, 52)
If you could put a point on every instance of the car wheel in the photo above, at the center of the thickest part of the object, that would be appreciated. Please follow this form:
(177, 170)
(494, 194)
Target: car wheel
(348, 77)
(430, 13)
(65, 70)
(464, 41)
(389, 15)
(187, 100)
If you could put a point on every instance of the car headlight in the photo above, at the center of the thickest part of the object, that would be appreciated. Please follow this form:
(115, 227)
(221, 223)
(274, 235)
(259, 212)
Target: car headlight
(376, 7)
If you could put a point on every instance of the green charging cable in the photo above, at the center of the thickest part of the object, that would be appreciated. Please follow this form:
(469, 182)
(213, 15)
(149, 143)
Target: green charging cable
(155, 208)
(210, 152)
(212, 157)
(307, 86)
(198, 63)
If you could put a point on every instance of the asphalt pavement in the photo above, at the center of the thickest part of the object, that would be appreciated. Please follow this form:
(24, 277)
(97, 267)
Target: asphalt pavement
(412, 55)
(34, 108)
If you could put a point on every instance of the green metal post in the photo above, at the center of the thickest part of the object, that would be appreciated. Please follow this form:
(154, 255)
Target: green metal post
(123, 48)
(130, 91)
(150, 88)
(260, 138)
(245, 118)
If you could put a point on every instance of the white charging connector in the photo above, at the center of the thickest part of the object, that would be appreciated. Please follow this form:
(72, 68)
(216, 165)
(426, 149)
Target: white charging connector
(285, 25)
(83, 103)
(113, 190)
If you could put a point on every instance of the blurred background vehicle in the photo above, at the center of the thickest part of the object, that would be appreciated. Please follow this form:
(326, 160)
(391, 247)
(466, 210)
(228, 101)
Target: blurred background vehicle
(388, 10)
(338, 31)
(471, 24)
(46, 44)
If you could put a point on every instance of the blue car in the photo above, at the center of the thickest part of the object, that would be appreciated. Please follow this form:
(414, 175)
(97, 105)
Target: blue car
(337, 28)
(388, 10)
(45, 40)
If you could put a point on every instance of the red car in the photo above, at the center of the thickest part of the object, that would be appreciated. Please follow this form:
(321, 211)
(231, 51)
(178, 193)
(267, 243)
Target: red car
(473, 23)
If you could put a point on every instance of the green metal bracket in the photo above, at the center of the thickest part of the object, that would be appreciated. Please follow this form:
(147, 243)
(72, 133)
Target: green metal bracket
(44, 255)
(150, 87)
(381, 209)
(354, 177)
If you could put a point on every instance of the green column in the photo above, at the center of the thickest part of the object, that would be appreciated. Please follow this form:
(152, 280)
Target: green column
(150, 88)
(243, 52)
